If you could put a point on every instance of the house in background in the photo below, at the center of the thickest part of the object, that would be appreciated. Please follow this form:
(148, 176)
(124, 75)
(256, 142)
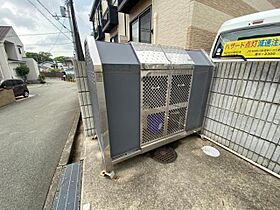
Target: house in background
(46, 65)
(191, 24)
(12, 55)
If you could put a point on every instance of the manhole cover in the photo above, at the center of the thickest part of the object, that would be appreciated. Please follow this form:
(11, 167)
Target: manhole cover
(164, 155)
(211, 151)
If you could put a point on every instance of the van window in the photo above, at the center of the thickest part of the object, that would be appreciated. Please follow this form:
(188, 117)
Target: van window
(244, 34)
(17, 82)
(7, 83)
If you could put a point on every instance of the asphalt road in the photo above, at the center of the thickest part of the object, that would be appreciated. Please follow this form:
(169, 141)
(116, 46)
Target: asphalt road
(33, 133)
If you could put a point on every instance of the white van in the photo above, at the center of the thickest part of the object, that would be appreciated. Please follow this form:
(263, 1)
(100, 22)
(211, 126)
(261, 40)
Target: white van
(254, 36)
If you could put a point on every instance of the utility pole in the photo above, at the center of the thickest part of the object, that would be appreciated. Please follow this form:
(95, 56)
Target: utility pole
(79, 55)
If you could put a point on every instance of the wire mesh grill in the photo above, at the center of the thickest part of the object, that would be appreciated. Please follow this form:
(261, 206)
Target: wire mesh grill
(153, 127)
(180, 88)
(154, 91)
(176, 120)
(165, 98)
(244, 110)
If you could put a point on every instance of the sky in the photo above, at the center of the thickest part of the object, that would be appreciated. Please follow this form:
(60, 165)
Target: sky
(27, 20)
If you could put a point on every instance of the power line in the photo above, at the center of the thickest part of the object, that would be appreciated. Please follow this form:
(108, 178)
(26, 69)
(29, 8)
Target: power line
(51, 14)
(47, 19)
(55, 43)
(49, 44)
(38, 34)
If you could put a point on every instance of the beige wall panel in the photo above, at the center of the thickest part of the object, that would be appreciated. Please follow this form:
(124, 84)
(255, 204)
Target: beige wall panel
(208, 18)
(233, 8)
(173, 17)
(199, 39)
(275, 3)
(260, 5)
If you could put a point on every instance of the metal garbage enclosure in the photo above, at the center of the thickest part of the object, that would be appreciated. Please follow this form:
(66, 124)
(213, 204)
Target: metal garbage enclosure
(144, 96)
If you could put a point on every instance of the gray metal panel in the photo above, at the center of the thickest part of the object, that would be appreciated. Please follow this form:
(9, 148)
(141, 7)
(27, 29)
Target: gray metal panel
(114, 53)
(200, 88)
(202, 75)
(122, 90)
(150, 54)
(199, 58)
(177, 55)
(69, 189)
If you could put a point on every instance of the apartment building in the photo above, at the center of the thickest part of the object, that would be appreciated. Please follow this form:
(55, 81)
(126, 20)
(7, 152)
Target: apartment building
(183, 23)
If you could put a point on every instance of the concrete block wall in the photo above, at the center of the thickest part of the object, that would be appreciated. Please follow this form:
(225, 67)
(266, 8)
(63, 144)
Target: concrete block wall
(6, 97)
(244, 110)
(84, 97)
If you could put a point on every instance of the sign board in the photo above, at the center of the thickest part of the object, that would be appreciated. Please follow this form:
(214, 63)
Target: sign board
(268, 47)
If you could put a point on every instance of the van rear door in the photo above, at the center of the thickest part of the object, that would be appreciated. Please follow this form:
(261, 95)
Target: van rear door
(18, 87)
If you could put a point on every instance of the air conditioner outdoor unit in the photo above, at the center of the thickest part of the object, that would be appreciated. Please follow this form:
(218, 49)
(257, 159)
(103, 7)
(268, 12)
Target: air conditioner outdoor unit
(144, 96)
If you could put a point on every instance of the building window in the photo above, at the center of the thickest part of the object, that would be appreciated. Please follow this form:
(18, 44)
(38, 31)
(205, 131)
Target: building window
(140, 28)
(135, 31)
(19, 50)
(114, 39)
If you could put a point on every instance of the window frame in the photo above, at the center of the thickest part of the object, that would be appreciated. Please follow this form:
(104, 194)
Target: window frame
(19, 50)
(144, 12)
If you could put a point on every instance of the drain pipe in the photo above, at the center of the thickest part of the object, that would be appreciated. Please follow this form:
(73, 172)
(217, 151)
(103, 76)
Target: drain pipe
(155, 27)
(241, 156)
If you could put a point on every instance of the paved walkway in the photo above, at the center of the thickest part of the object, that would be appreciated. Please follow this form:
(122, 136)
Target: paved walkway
(32, 136)
(193, 181)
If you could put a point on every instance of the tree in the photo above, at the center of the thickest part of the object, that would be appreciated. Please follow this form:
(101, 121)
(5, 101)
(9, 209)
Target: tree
(39, 57)
(22, 71)
(60, 59)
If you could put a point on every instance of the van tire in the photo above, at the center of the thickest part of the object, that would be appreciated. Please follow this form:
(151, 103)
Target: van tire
(25, 94)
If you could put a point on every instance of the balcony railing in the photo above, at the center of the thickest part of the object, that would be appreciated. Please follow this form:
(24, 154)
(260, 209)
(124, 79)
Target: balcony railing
(126, 5)
(98, 33)
(110, 19)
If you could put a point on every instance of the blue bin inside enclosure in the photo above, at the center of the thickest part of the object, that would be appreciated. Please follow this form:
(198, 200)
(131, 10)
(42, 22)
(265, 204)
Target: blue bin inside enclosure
(155, 123)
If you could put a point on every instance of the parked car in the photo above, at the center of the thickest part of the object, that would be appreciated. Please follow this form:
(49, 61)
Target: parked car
(18, 86)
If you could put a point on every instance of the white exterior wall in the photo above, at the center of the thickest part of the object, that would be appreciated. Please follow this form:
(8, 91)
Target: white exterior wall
(33, 69)
(12, 38)
(9, 50)
(5, 69)
(12, 67)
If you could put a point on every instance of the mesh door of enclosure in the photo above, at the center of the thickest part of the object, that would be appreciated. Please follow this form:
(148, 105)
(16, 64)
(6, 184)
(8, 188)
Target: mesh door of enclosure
(165, 105)
(180, 88)
(153, 127)
(154, 91)
(176, 120)
(244, 111)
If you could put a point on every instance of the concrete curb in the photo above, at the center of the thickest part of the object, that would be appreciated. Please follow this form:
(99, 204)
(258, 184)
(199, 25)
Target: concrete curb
(63, 161)
(70, 139)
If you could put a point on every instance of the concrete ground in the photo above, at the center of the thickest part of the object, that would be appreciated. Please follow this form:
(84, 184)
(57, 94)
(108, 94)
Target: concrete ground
(32, 136)
(193, 181)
